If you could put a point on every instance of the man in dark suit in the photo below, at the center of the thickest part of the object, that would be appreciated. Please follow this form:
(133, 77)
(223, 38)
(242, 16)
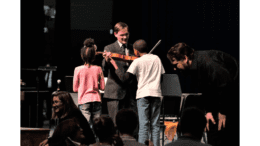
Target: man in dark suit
(216, 75)
(118, 95)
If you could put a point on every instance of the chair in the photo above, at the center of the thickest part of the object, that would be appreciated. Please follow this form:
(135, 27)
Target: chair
(171, 90)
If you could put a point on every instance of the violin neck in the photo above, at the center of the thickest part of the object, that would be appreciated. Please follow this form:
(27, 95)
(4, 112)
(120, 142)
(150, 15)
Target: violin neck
(98, 53)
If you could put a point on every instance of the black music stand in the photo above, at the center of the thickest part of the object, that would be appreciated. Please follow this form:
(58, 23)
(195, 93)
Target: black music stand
(170, 86)
(69, 88)
(40, 68)
(69, 83)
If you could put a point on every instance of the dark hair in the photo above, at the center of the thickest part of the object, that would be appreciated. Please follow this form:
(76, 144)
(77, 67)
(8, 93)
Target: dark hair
(88, 54)
(67, 102)
(179, 51)
(89, 42)
(126, 121)
(192, 121)
(103, 127)
(105, 130)
(140, 45)
(120, 25)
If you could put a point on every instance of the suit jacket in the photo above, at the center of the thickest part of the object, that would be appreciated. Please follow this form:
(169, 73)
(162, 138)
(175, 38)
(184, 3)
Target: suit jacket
(115, 88)
(217, 75)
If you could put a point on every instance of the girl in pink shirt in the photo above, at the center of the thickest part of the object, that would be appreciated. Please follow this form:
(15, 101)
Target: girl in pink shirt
(87, 81)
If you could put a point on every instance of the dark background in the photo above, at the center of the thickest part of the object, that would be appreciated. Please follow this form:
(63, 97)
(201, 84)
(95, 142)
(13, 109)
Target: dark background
(203, 25)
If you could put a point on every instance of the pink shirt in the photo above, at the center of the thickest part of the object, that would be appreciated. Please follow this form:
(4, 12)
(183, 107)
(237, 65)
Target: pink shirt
(86, 82)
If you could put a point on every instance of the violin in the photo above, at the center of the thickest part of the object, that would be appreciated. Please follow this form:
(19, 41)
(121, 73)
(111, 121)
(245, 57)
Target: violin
(120, 57)
(126, 58)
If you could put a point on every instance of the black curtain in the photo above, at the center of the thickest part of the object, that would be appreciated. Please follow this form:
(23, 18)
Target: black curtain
(62, 40)
(129, 12)
(32, 41)
(32, 37)
(204, 25)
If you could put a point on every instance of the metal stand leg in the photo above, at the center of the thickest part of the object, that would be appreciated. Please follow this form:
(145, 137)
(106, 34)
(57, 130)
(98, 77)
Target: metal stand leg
(29, 116)
(37, 107)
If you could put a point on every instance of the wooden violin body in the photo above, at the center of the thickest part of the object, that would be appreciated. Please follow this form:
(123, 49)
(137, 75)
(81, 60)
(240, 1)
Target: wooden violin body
(120, 57)
(123, 57)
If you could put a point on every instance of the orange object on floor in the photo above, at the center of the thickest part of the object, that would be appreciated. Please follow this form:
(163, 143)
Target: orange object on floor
(170, 130)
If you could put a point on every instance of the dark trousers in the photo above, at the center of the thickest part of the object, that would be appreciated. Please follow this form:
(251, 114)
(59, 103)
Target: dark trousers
(226, 136)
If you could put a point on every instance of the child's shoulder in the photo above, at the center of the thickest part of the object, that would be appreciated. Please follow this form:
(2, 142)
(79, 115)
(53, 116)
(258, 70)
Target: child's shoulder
(153, 57)
(83, 66)
(96, 67)
(79, 67)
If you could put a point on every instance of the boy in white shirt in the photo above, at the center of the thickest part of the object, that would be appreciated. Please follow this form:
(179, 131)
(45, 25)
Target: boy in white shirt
(148, 70)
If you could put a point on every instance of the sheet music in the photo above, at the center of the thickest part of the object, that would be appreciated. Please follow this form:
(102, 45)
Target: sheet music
(105, 79)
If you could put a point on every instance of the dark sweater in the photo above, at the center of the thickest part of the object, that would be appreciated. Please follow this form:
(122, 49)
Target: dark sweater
(83, 123)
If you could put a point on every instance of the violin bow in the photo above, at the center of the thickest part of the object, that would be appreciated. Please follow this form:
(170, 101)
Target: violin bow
(155, 46)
